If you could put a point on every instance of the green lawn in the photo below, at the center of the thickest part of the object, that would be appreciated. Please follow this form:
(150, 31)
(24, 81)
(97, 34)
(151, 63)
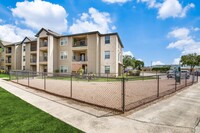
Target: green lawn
(4, 76)
(18, 116)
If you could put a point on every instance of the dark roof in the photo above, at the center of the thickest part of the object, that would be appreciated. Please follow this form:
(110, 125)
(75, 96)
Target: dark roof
(49, 32)
(95, 32)
(29, 38)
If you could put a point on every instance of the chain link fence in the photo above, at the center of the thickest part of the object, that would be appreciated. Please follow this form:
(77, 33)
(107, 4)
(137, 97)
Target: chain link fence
(105, 90)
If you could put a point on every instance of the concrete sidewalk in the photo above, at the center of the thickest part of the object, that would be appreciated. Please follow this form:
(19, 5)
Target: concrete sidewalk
(177, 114)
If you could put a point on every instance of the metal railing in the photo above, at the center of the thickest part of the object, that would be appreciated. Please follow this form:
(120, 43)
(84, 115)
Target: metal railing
(8, 51)
(81, 43)
(79, 58)
(33, 48)
(43, 58)
(104, 90)
(8, 61)
(33, 60)
(43, 44)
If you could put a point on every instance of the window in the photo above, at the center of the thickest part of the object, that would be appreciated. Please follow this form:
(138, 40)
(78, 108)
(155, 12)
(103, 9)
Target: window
(63, 69)
(24, 48)
(63, 41)
(63, 55)
(107, 39)
(107, 69)
(23, 67)
(107, 54)
(24, 58)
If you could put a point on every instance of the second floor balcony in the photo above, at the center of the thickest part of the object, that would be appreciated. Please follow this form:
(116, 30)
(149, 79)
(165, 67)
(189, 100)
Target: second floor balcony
(43, 59)
(8, 61)
(33, 48)
(44, 44)
(79, 58)
(8, 51)
(33, 60)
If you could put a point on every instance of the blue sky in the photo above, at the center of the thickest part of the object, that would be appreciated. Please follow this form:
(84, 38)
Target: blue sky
(155, 31)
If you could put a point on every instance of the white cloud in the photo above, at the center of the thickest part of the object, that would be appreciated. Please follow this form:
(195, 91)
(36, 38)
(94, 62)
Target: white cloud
(176, 61)
(12, 33)
(180, 33)
(150, 3)
(38, 13)
(184, 42)
(157, 63)
(116, 1)
(93, 21)
(196, 29)
(1, 21)
(128, 53)
(172, 8)
(168, 8)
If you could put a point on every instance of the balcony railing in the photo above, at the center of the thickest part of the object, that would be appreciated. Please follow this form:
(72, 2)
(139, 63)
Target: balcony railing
(43, 44)
(33, 48)
(43, 59)
(8, 61)
(34, 60)
(8, 51)
(80, 43)
(79, 58)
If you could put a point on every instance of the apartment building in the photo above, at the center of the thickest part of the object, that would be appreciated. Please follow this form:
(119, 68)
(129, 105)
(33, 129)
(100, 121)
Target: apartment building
(10, 56)
(52, 52)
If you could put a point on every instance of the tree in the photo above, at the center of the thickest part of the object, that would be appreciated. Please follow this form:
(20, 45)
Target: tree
(139, 64)
(191, 60)
(128, 61)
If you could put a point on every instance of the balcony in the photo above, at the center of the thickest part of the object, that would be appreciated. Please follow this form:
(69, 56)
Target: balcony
(43, 46)
(8, 51)
(33, 61)
(8, 62)
(33, 48)
(43, 60)
(79, 58)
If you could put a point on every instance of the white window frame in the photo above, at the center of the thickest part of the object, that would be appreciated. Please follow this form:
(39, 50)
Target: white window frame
(107, 40)
(105, 54)
(62, 56)
(105, 69)
(63, 41)
(24, 48)
(63, 69)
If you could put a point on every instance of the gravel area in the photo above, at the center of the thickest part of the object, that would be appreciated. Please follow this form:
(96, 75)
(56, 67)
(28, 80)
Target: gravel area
(108, 94)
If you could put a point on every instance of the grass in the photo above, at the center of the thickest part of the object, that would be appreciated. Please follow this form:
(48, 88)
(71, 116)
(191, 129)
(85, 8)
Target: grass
(4, 76)
(18, 116)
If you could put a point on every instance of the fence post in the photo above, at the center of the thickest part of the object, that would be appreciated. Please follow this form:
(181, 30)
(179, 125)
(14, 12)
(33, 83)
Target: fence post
(44, 81)
(175, 82)
(123, 94)
(17, 77)
(9, 76)
(71, 86)
(193, 78)
(158, 86)
(107, 77)
(28, 78)
(185, 79)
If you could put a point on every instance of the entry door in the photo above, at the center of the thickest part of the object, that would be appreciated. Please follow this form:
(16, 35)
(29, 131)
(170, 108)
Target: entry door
(82, 57)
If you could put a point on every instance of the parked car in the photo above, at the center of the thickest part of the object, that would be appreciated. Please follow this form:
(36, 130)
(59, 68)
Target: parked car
(197, 73)
(170, 74)
(185, 74)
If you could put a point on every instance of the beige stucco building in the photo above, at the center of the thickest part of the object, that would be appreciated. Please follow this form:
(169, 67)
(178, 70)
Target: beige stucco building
(51, 52)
